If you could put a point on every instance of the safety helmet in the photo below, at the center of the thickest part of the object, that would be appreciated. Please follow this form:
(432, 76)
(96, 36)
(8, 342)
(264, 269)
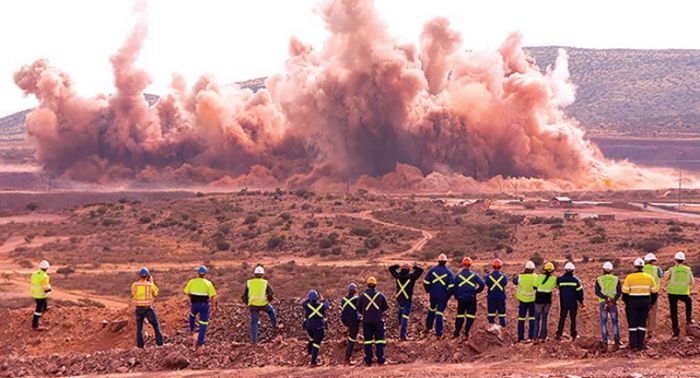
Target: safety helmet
(143, 272)
(259, 270)
(371, 281)
(313, 295)
(650, 257)
(442, 258)
(44, 265)
(680, 256)
(549, 266)
(608, 266)
(466, 262)
(202, 270)
(352, 287)
(569, 266)
(497, 264)
(639, 262)
(530, 265)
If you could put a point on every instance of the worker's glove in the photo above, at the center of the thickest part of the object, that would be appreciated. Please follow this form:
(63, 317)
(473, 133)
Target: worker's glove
(47, 290)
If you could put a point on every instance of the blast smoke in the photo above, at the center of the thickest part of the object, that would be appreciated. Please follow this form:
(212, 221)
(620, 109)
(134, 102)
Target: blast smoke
(362, 108)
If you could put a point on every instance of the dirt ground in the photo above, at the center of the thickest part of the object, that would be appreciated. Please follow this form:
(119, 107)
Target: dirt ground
(307, 240)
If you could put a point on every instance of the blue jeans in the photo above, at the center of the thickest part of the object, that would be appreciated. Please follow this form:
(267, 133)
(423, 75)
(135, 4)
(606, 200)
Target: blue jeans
(541, 316)
(604, 313)
(404, 310)
(255, 319)
(436, 314)
(201, 309)
(526, 313)
(146, 313)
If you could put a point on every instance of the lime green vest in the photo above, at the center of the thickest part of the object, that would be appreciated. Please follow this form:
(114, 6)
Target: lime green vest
(608, 285)
(40, 281)
(653, 271)
(257, 292)
(545, 287)
(680, 279)
(526, 287)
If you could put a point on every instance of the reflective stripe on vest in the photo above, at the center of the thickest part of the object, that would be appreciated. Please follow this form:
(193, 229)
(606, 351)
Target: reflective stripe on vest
(496, 283)
(680, 280)
(545, 284)
(608, 286)
(315, 311)
(37, 284)
(402, 289)
(257, 292)
(653, 271)
(348, 302)
(440, 278)
(526, 287)
(143, 295)
(371, 301)
(467, 280)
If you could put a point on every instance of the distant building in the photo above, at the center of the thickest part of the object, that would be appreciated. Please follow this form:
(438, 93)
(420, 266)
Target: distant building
(561, 202)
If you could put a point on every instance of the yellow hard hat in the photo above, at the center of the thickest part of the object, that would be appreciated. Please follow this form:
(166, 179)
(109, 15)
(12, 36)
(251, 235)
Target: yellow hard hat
(549, 266)
(371, 280)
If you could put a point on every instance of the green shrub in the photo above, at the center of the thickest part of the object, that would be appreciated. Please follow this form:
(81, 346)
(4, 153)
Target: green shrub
(597, 239)
(145, 219)
(223, 245)
(250, 219)
(275, 241)
(360, 231)
(650, 245)
(537, 259)
(325, 243)
(31, 206)
(372, 242)
(310, 224)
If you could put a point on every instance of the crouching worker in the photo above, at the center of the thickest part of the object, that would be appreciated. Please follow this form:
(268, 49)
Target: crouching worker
(315, 323)
(372, 305)
(144, 292)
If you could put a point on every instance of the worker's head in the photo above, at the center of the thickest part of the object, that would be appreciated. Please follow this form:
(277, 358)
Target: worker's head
(406, 266)
(497, 264)
(352, 288)
(639, 264)
(549, 267)
(371, 281)
(44, 265)
(467, 262)
(202, 271)
(650, 258)
(680, 257)
(569, 267)
(313, 295)
(144, 273)
(442, 259)
(607, 267)
(259, 271)
(529, 266)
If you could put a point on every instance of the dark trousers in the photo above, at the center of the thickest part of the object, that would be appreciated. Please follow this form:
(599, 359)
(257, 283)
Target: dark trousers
(353, 330)
(374, 335)
(147, 313)
(404, 311)
(496, 308)
(314, 345)
(571, 310)
(526, 313)
(541, 320)
(436, 314)
(637, 310)
(673, 305)
(41, 306)
(466, 309)
(201, 309)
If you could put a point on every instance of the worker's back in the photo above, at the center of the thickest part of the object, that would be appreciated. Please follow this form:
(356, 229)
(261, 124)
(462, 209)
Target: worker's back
(496, 282)
(372, 304)
(439, 282)
(39, 282)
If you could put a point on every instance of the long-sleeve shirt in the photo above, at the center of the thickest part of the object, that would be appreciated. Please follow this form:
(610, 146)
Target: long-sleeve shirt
(496, 282)
(599, 291)
(570, 289)
(268, 292)
(349, 312)
(315, 314)
(405, 281)
(439, 282)
(467, 284)
(372, 305)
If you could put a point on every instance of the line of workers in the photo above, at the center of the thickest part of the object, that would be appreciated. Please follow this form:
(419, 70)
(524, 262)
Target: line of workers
(638, 291)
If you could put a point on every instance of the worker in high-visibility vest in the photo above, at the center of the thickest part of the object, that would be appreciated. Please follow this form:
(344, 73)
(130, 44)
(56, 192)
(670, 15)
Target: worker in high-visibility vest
(639, 294)
(202, 296)
(680, 281)
(405, 281)
(652, 268)
(468, 285)
(41, 289)
(257, 295)
(496, 282)
(315, 308)
(438, 283)
(544, 285)
(608, 289)
(350, 317)
(525, 293)
(144, 292)
(570, 299)
(372, 305)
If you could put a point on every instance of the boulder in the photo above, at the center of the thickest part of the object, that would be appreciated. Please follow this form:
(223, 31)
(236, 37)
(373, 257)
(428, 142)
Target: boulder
(118, 325)
(175, 360)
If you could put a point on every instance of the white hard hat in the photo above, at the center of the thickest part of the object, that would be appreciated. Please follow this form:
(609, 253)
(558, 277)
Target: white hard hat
(569, 266)
(639, 262)
(608, 266)
(442, 258)
(44, 264)
(650, 257)
(259, 270)
(680, 256)
(530, 265)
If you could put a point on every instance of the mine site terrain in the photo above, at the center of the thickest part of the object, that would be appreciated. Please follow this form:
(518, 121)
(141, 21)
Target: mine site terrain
(310, 240)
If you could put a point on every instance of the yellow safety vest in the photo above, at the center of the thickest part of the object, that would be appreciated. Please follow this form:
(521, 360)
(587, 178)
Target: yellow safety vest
(608, 286)
(257, 292)
(526, 287)
(639, 284)
(144, 292)
(201, 287)
(681, 277)
(39, 284)
(653, 271)
(545, 286)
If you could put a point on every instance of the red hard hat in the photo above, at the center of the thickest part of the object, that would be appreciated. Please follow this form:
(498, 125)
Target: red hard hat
(497, 264)
(466, 262)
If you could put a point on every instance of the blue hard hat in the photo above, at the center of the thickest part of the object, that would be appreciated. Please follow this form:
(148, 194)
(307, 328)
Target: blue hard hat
(313, 295)
(143, 272)
(202, 270)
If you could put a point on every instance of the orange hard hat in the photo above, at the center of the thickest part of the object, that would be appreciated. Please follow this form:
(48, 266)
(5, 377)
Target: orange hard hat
(466, 262)
(497, 264)
(371, 281)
